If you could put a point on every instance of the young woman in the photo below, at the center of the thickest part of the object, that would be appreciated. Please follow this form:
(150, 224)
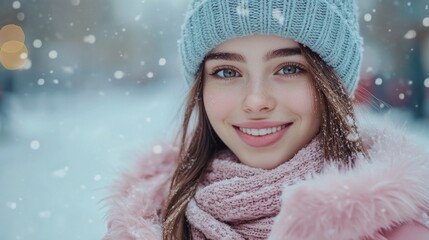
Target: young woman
(270, 147)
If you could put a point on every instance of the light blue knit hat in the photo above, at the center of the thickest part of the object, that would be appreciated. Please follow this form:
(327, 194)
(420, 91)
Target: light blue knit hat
(328, 27)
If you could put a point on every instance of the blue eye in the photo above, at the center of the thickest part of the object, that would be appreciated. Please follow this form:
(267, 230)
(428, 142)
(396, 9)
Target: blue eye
(289, 70)
(226, 73)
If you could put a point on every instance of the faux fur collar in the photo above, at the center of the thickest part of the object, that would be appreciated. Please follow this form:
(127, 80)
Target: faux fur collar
(391, 189)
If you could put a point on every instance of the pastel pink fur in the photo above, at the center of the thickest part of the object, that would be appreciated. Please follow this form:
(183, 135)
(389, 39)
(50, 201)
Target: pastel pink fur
(135, 206)
(382, 199)
(390, 190)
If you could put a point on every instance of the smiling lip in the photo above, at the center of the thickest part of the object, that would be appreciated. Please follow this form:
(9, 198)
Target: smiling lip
(261, 134)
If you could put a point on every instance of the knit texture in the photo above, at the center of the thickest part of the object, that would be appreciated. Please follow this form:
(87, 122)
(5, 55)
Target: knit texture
(328, 27)
(235, 201)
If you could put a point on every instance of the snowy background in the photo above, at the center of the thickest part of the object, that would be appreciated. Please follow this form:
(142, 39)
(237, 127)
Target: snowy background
(103, 87)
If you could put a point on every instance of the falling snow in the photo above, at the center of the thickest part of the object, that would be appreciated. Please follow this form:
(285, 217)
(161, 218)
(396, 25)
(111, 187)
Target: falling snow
(350, 120)
(37, 43)
(16, 5)
(426, 21)
(53, 54)
(41, 81)
(11, 205)
(89, 39)
(60, 173)
(367, 17)
(410, 34)
(35, 145)
(45, 214)
(97, 177)
(23, 56)
(352, 137)
(27, 64)
(157, 149)
(67, 69)
(162, 61)
(20, 16)
(119, 74)
(378, 81)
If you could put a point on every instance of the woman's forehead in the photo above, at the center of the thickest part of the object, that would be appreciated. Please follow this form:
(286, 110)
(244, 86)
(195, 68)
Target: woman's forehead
(265, 47)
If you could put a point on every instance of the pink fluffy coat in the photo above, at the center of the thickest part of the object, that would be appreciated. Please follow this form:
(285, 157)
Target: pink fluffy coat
(386, 198)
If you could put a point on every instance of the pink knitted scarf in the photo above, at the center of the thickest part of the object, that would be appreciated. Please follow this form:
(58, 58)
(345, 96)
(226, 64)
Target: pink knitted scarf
(235, 201)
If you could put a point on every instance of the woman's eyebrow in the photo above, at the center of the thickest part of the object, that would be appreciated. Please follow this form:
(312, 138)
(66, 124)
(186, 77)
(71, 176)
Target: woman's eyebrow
(283, 52)
(224, 56)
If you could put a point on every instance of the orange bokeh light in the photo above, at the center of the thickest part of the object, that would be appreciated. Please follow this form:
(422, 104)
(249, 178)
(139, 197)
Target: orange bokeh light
(11, 32)
(13, 52)
(13, 55)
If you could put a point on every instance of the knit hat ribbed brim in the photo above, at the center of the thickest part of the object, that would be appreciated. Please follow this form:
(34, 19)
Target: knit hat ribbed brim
(328, 27)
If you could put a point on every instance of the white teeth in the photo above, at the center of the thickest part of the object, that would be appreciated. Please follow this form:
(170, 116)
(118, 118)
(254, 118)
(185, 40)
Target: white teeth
(262, 131)
(254, 132)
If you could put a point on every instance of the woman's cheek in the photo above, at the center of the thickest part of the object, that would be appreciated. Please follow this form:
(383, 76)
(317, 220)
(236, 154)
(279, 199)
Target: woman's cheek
(302, 100)
(218, 104)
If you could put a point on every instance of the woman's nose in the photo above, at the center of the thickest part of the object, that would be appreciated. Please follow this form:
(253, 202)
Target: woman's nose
(258, 98)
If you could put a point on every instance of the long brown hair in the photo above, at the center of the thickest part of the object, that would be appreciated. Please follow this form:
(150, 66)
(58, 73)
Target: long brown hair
(340, 140)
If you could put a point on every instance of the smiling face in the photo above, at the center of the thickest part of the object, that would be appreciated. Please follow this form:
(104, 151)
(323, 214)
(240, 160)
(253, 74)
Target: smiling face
(260, 100)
